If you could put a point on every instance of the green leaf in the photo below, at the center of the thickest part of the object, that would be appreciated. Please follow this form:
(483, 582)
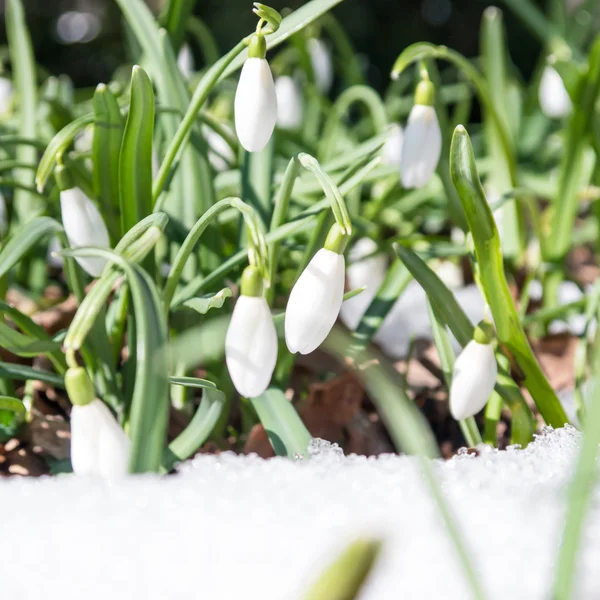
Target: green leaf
(203, 304)
(24, 239)
(108, 135)
(344, 579)
(493, 280)
(24, 345)
(192, 382)
(57, 146)
(135, 159)
(14, 405)
(197, 432)
(23, 373)
(285, 430)
(23, 69)
(174, 19)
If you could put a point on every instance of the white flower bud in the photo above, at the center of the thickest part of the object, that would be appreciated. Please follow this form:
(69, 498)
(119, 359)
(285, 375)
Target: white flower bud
(84, 226)
(99, 447)
(289, 103)
(185, 61)
(315, 302)
(392, 149)
(6, 94)
(321, 62)
(473, 379)
(421, 148)
(553, 96)
(251, 346)
(255, 105)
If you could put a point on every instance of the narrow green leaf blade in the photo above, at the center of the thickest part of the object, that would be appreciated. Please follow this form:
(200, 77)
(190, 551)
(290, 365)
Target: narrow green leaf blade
(204, 303)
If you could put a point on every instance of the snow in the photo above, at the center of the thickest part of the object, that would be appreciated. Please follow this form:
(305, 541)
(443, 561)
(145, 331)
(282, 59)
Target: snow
(242, 527)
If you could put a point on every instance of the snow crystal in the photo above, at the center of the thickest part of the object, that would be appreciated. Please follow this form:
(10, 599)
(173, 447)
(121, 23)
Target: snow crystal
(242, 527)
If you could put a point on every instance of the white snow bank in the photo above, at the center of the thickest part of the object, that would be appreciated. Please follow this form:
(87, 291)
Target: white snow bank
(242, 527)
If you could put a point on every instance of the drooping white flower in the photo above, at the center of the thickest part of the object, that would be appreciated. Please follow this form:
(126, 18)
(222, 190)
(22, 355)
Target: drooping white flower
(315, 300)
(6, 94)
(392, 149)
(185, 61)
(99, 447)
(553, 96)
(84, 226)
(220, 154)
(251, 344)
(289, 103)
(322, 65)
(422, 144)
(474, 375)
(367, 269)
(255, 102)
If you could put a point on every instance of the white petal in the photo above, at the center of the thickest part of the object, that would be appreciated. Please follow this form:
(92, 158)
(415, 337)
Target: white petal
(553, 96)
(473, 379)
(6, 93)
(99, 447)
(322, 65)
(84, 226)
(289, 103)
(251, 346)
(421, 148)
(255, 105)
(315, 302)
(185, 61)
(366, 272)
(392, 149)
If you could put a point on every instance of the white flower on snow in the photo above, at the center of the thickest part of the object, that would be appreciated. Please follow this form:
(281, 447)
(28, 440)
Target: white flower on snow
(366, 269)
(422, 144)
(553, 96)
(316, 299)
(99, 447)
(251, 342)
(84, 226)
(322, 65)
(255, 102)
(185, 61)
(392, 149)
(289, 103)
(474, 376)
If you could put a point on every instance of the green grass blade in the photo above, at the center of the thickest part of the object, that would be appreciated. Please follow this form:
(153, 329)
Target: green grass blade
(135, 159)
(493, 280)
(24, 373)
(174, 19)
(23, 68)
(285, 430)
(108, 136)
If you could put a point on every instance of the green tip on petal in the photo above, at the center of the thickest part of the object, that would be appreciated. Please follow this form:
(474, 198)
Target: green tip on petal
(337, 239)
(484, 333)
(425, 93)
(257, 48)
(252, 282)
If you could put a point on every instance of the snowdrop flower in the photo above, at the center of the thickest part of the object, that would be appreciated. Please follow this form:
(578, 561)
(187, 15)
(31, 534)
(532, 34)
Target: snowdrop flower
(6, 94)
(475, 372)
(367, 269)
(99, 447)
(322, 65)
(84, 226)
(255, 102)
(316, 299)
(392, 149)
(289, 103)
(422, 139)
(185, 61)
(553, 96)
(251, 341)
